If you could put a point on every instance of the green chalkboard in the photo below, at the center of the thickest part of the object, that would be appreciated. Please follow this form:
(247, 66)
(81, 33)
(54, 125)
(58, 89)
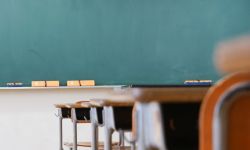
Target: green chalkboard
(116, 41)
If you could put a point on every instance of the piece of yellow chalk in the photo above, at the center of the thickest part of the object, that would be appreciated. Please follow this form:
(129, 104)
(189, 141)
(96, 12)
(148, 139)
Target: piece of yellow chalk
(38, 83)
(52, 83)
(87, 82)
(73, 83)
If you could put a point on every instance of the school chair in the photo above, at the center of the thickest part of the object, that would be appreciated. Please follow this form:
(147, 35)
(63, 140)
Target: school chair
(69, 111)
(96, 119)
(63, 113)
(224, 116)
(117, 116)
(81, 113)
(166, 117)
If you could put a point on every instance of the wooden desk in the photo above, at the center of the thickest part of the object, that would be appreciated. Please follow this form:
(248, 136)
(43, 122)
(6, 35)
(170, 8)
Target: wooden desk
(111, 102)
(170, 94)
(80, 113)
(79, 104)
(167, 116)
(63, 112)
(117, 117)
(116, 111)
(60, 105)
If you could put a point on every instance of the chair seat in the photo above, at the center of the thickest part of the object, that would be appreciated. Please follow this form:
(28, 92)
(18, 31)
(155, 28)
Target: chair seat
(88, 144)
(83, 121)
(116, 147)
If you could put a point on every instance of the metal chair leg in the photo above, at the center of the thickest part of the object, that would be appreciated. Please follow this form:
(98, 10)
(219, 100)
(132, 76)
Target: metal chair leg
(75, 135)
(94, 128)
(121, 138)
(133, 147)
(131, 141)
(108, 138)
(94, 143)
(108, 130)
(60, 134)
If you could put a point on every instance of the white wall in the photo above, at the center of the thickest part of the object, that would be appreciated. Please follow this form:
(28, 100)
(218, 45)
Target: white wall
(28, 121)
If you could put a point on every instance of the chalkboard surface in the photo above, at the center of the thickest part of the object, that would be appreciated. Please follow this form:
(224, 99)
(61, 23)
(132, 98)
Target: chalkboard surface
(116, 41)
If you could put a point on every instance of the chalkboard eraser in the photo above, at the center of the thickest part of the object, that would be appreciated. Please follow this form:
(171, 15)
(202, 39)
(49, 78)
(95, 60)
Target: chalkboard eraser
(10, 84)
(38, 84)
(198, 82)
(52, 83)
(87, 82)
(14, 84)
(19, 84)
(73, 83)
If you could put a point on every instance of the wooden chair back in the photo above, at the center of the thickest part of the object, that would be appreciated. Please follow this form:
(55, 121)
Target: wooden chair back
(225, 115)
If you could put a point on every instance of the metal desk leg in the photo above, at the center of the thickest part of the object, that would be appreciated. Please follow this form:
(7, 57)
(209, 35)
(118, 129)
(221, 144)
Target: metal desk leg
(108, 138)
(94, 128)
(75, 135)
(108, 127)
(140, 123)
(74, 120)
(60, 133)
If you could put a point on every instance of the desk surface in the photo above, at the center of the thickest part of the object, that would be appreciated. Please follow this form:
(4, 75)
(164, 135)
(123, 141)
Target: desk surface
(111, 102)
(174, 94)
(79, 105)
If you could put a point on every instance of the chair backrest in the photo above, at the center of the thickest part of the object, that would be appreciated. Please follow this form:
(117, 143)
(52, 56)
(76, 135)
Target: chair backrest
(238, 122)
(225, 115)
